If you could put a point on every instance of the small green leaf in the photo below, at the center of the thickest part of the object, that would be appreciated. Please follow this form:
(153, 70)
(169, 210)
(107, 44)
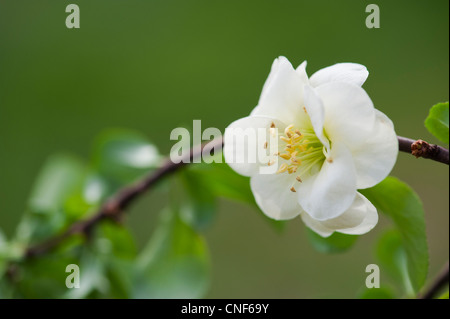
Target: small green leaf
(175, 263)
(117, 240)
(92, 277)
(123, 155)
(59, 177)
(397, 200)
(437, 121)
(224, 182)
(200, 207)
(335, 243)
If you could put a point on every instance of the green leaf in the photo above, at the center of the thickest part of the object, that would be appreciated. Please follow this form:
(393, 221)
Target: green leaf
(377, 293)
(393, 260)
(437, 121)
(116, 240)
(123, 155)
(92, 277)
(335, 243)
(175, 263)
(200, 205)
(224, 182)
(397, 200)
(59, 177)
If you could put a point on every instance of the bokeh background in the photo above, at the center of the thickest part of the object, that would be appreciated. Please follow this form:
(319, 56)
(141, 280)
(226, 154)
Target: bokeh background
(155, 65)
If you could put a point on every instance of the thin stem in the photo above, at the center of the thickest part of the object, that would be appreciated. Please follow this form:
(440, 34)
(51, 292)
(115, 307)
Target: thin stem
(437, 285)
(115, 206)
(420, 148)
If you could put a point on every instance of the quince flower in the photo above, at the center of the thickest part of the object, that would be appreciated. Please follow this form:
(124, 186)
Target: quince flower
(331, 141)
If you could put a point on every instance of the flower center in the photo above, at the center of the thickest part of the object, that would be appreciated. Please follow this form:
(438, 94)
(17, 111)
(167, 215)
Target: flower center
(302, 152)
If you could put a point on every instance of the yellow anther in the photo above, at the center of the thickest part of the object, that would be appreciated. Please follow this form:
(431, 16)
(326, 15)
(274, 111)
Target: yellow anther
(292, 169)
(286, 156)
(298, 132)
(265, 145)
(272, 125)
(298, 179)
(270, 163)
(283, 168)
(293, 189)
(285, 139)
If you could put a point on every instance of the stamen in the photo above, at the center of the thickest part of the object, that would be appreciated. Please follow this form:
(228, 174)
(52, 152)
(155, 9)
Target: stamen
(283, 168)
(272, 125)
(265, 145)
(303, 152)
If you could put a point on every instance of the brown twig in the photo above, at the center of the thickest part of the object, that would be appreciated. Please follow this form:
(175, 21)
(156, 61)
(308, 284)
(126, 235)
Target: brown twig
(437, 285)
(420, 148)
(116, 205)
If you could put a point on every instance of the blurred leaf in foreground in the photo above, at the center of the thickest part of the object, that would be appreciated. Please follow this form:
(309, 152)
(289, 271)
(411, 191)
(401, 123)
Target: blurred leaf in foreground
(175, 263)
(123, 155)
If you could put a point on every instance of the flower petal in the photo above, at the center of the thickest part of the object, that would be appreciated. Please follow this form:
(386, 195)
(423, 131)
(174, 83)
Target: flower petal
(316, 111)
(301, 71)
(342, 72)
(365, 207)
(274, 197)
(316, 225)
(282, 94)
(245, 144)
(349, 113)
(375, 158)
(360, 218)
(332, 190)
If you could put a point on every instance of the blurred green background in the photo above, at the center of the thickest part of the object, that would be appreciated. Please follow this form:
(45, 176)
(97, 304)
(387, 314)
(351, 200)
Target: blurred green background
(152, 66)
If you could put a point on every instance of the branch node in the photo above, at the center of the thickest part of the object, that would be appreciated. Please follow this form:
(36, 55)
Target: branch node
(420, 148)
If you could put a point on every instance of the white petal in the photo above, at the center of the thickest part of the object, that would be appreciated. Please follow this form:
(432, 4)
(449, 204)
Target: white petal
(316, 225)
(243, 143)
(301, 71)
(342, 72)
(365, 207)
(316, 112)
(282, 94)
(274, 197)
(332, 190)
(359, 219)
(349, 113)
(375, 158)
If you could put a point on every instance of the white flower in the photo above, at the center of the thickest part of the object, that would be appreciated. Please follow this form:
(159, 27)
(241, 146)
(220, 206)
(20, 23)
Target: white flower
(332, 142)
